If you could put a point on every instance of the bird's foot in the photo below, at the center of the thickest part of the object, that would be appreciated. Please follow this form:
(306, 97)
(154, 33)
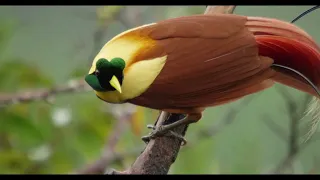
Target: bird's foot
(166, 130)
(159, 131)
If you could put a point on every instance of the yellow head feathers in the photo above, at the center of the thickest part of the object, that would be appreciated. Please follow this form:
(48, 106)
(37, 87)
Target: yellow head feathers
(137, 74)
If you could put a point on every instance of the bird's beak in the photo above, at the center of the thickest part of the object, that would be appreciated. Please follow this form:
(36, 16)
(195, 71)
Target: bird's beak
(114, 82)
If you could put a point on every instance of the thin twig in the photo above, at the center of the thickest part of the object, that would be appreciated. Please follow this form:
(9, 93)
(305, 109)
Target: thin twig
(161, 152)
(294, 148)
(275, 128)
(106, 158)
(101, 165)
(293, 145)
(26, 96)
(123, 115)
(226, 120)
(220, 9)
(103, 23)
(101, 30)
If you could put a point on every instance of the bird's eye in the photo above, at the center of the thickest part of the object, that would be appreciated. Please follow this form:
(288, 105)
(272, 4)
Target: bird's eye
(96, 72)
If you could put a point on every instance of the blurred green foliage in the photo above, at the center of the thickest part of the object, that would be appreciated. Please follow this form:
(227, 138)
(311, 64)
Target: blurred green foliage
(38, 137)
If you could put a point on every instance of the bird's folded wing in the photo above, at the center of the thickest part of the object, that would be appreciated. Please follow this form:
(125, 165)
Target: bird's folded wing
(210, 59)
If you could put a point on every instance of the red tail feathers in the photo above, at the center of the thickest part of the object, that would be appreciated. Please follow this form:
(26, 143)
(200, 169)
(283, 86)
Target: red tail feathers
(289, 46)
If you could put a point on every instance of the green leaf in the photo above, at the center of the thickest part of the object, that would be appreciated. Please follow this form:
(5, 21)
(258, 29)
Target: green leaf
(20, 130)
(13, 161)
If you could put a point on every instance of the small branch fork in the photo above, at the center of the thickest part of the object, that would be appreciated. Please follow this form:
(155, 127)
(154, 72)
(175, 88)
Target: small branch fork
(122, 114)
(294, 145)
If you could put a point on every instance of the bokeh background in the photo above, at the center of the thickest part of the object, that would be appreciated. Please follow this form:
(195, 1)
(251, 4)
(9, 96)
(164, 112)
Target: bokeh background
(45, 47)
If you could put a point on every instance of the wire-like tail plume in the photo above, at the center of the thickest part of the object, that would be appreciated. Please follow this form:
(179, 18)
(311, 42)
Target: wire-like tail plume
(305, 13)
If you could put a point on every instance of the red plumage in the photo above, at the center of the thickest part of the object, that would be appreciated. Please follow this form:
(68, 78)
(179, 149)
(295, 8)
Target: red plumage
(289, 46)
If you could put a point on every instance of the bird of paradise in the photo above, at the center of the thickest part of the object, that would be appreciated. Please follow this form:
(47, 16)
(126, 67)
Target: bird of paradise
(186, 64)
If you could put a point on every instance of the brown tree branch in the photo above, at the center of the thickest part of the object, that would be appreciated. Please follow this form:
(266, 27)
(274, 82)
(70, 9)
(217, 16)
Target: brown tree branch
(42, 94)
(220, 9)
(160, 153)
